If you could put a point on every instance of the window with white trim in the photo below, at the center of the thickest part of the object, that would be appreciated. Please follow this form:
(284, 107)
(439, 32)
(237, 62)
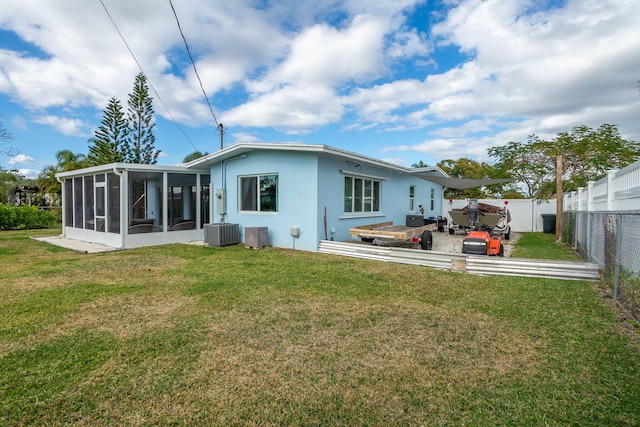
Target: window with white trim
(361, 195)
(412, 197)
(259, 193)
(433, 198)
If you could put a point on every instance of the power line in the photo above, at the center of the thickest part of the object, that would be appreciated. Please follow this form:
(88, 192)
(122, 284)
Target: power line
(186, 45)
(150, 84)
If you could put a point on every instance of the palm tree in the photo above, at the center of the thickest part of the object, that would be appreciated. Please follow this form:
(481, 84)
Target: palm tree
(67, 161)
(420, 164)
(48, 184)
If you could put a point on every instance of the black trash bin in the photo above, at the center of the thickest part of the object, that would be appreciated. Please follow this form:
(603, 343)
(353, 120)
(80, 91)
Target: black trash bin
(548, 223)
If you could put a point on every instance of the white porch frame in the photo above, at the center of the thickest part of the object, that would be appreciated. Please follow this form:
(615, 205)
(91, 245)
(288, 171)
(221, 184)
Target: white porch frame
(161, 233)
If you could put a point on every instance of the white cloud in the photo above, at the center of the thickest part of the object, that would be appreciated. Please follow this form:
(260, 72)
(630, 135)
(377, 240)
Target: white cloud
(21, 159)
(409, 44)
(545, 72)
(325, 55)
(534, 65)
(296, 66)
(29, 173)
(297, 109)
(66, 126)
(470, 127)
(83, 62)
(244, 137)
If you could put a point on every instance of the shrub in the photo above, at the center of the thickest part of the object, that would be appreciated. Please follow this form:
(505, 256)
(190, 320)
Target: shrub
(8, 217)
(24, 217)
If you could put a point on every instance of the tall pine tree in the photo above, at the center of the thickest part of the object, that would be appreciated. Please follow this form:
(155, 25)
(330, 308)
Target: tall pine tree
(110, 141)
(141, 140)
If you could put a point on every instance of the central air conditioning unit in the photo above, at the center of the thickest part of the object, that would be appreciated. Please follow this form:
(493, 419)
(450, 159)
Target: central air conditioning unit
(256, 237)
(221, 234)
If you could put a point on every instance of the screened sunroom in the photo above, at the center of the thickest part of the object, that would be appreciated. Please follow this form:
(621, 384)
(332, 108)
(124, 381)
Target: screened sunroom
(130, 205)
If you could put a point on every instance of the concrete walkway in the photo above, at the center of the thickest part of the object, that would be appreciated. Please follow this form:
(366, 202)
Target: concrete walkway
(76, 245)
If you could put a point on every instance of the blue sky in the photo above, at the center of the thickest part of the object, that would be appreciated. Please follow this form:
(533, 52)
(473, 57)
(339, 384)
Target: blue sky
(398, 80)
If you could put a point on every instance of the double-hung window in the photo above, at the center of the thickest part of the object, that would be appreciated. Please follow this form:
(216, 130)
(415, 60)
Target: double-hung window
(361, 195)
(259, 193)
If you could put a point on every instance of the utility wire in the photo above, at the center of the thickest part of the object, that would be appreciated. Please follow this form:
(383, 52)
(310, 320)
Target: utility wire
(186, 45)
(148, 80)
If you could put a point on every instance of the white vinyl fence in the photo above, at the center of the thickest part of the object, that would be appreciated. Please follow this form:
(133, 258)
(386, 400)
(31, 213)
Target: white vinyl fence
(618, 191)
(601, 221)
(526, 214)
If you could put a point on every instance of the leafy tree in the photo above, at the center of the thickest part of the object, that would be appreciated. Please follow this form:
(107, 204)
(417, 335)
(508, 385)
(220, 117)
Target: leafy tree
(511, 194)
(140, 139)
(110, 142)
(195, 155)
(419, 164)
(9, 181)
(525, 162)
(587, 155)
(16, 189)
(5, 136)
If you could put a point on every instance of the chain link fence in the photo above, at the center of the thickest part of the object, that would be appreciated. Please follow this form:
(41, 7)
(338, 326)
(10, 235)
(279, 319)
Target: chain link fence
(612, 240)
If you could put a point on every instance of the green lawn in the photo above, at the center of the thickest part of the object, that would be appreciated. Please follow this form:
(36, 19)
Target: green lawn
(199, 336)
(543, 246)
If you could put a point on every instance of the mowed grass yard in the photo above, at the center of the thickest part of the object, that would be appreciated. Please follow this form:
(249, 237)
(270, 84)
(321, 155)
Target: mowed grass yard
(199, 336)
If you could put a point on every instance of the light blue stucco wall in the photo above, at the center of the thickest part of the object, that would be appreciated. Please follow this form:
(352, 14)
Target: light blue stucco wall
(307, 183)
(297, 196)
(394, 198)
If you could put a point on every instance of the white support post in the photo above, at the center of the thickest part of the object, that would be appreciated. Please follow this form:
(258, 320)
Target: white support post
(198, 216)
(610, 190)
(580, 198)
(124, 206)
(165, 201)
(64, 207)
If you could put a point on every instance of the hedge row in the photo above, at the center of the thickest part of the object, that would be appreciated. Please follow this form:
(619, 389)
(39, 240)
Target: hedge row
(24, 217)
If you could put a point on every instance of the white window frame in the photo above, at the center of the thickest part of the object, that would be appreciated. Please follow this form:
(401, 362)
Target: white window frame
(433, 198)
(370, 193)
(412, 198)
(258, 200)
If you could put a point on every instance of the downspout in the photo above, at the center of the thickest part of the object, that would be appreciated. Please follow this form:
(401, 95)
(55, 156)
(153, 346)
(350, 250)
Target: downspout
(123, 208)
(64, 214)
(224, 185)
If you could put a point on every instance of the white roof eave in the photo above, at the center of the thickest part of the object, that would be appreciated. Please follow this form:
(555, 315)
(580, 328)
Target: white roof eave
(246, 147)
(119, 167)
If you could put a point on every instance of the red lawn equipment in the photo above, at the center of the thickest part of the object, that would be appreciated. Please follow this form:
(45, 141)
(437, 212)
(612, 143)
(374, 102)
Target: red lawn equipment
(482, 243)
(480, 240)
